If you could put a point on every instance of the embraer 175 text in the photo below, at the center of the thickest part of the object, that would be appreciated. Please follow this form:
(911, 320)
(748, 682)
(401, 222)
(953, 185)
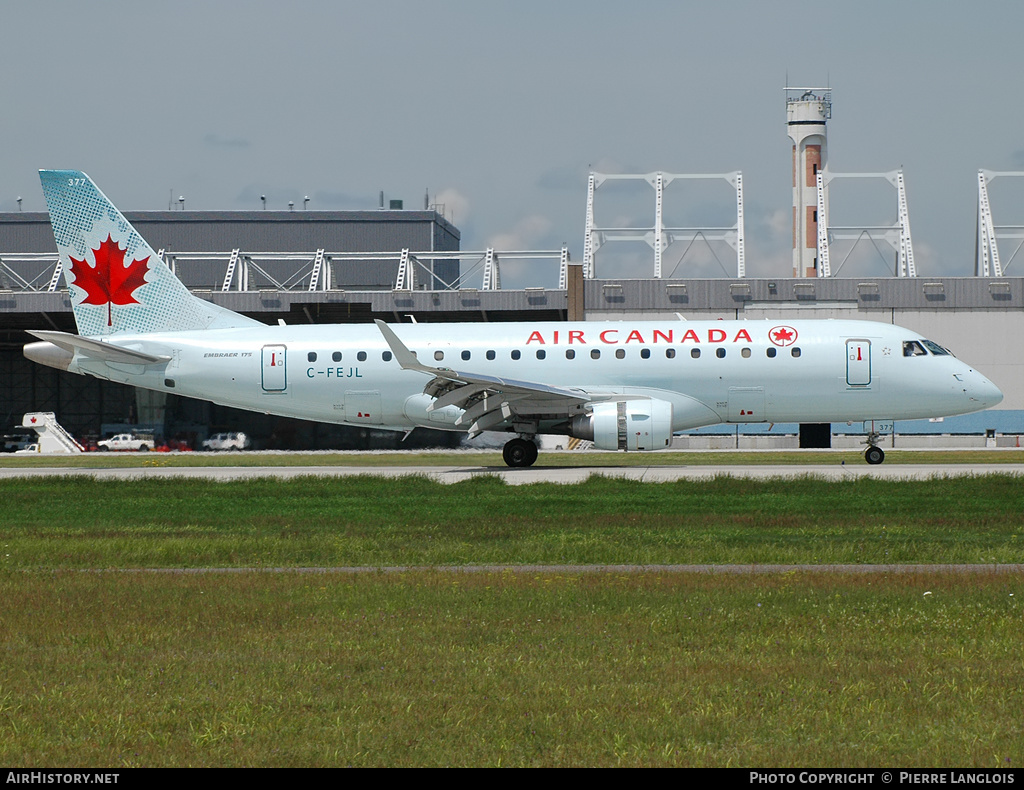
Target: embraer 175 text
(623, 386)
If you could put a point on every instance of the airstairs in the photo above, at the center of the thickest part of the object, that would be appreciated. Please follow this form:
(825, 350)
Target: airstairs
(52, 436)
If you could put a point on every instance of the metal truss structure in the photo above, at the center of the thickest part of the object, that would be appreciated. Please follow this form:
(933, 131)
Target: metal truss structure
(896, 235)
(26, 272)
(414, 265)
(987, 261)
(657, 235)
(302, 271)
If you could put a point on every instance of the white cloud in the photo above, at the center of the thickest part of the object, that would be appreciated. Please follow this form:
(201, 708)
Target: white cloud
(453, 205)
(525, 235)
(780, 223)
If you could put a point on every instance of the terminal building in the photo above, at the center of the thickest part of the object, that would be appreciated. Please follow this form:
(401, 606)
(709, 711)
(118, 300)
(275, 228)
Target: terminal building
(398, 265)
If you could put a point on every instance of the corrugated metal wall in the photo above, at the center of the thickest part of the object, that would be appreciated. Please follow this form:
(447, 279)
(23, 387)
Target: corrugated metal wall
(268, 231)
(738, 296)
(274, 231)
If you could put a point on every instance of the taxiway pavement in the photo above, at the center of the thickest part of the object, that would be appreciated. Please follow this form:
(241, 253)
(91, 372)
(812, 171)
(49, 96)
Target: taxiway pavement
(537, 474)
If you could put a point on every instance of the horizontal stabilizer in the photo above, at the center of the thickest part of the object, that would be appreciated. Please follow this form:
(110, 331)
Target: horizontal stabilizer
(97, 349)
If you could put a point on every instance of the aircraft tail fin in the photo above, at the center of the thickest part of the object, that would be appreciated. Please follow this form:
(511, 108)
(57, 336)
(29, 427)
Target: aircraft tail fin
(118, 284)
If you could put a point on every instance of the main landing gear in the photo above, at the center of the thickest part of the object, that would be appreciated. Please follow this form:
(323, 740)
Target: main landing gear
(874, 453)
(519, 452)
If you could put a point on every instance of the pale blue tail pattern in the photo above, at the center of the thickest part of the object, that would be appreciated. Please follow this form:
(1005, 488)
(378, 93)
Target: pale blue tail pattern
(94, 239)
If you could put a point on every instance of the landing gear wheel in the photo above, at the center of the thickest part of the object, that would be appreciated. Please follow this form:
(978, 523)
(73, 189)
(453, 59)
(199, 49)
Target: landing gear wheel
(519, 452)
(874, 455)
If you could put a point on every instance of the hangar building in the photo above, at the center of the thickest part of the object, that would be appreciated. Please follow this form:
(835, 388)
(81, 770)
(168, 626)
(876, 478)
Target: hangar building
(295, 266)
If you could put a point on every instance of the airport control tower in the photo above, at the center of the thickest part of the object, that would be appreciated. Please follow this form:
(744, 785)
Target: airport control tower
(807, 111)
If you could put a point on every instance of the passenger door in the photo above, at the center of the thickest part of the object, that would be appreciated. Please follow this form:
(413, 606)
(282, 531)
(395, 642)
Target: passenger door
(858, 363)
(275, 370)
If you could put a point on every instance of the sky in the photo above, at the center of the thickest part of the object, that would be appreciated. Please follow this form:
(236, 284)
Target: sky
(499, 110)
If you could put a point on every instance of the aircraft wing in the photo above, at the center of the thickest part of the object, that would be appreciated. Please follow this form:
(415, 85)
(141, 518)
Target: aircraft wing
(490, 401)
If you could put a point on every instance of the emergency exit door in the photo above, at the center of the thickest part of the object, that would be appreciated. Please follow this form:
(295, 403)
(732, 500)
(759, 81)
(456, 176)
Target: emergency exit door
(858, 363)
(275, 372)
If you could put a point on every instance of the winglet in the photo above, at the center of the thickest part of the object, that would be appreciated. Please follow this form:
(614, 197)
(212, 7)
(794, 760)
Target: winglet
(405, 358)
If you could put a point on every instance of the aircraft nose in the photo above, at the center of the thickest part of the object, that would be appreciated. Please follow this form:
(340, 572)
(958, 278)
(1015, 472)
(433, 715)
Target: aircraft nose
(982, 391)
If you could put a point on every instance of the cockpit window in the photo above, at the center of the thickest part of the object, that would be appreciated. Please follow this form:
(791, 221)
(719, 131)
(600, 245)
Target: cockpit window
(911, 348)
(936, 349)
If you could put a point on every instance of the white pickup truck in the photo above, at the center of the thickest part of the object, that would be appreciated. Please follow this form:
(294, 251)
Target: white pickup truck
(127, 441)
(227, 441)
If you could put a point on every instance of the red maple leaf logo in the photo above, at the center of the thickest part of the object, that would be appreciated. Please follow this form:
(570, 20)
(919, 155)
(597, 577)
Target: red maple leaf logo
(110, 282)
(782, 335)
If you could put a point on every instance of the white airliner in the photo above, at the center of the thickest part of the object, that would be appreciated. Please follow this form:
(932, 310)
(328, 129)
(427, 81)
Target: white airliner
(625, 385)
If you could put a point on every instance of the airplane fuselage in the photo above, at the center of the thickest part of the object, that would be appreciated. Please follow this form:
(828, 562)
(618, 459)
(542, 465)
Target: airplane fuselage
(710, 371)
(624, 386)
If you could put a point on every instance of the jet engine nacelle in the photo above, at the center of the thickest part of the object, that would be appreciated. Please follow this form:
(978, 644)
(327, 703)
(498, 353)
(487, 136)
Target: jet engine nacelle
(626, 425)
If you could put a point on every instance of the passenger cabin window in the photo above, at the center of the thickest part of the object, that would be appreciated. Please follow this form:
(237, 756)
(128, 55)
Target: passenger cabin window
(336, 356)
(361, 356)
(516, 354)
(720, 353)
(771, 352)
(670, 353)
(695, 353)
(490, 355)
(911, 348)
(438, 355)
(595, 353)
(541, 353)
(311, 356)
(796, 352)
(745, 353)
(466, 355)
(620, 353)
(386, 356)
(645, 353)
(570, 354)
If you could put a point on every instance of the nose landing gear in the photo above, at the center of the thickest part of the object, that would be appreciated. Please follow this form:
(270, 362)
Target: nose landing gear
(874, 454)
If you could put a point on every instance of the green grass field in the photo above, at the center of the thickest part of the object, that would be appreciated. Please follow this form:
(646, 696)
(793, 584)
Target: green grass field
(79, 522)
(434, 667)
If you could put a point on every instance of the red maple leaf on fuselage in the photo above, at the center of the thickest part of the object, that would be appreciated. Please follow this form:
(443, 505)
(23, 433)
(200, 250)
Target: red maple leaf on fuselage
(110, 282)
